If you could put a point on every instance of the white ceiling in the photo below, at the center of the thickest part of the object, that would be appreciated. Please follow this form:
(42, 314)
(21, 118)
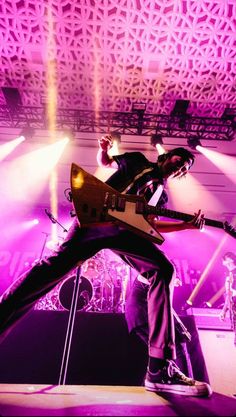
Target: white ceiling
(106, 55)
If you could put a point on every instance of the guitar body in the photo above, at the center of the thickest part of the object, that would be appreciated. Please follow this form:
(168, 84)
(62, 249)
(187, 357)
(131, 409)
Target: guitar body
(96, 203)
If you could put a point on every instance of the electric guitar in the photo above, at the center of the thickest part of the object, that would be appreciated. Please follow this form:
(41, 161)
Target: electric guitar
(96, 203)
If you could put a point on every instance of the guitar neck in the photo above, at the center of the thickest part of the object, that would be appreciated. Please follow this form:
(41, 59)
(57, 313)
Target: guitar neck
(181, 216)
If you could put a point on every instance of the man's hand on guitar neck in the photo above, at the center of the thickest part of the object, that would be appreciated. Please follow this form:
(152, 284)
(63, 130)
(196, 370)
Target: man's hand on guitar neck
(163, 226)
(197, 222)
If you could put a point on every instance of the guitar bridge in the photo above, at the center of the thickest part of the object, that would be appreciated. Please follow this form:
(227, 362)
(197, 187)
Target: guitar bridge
(120, 204)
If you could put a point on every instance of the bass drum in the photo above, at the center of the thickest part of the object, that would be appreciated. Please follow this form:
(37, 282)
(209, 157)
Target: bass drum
(84, 296)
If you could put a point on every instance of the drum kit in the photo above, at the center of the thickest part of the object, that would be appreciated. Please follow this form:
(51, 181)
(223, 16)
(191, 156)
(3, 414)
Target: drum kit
(102, 287)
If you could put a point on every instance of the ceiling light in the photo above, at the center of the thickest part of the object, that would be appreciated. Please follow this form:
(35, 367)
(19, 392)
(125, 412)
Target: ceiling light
(193, 143)
(116, 136)
(12, 97)
(180, 108)
(27, 132)
(139, 107)
(229, 114)
(156, 139)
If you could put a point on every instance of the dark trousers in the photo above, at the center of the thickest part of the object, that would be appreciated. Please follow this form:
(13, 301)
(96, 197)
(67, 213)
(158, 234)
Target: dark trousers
(80, 245)
(189, 356)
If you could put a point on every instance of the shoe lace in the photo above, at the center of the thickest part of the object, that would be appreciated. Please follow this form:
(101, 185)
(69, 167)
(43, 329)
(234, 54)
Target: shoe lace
(173, 370)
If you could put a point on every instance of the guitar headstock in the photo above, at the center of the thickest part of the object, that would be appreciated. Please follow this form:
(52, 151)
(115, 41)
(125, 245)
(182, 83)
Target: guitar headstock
(229, 229)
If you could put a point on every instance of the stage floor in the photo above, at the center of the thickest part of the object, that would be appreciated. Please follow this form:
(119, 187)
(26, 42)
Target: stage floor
(94, 400)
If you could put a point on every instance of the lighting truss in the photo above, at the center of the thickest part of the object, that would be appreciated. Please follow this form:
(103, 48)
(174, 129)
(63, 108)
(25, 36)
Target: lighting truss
(127, 123)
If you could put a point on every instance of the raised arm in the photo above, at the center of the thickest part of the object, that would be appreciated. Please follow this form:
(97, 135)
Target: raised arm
(103, 157)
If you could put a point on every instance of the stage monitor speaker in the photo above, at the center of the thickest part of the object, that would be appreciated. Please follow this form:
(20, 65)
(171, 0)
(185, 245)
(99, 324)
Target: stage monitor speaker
(220, 357)
(208, 318)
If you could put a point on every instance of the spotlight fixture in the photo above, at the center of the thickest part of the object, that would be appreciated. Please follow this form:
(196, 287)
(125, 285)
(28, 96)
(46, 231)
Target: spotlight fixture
(12, 97)
(180, 108)
(156, 139)
(139, 107)
(28, 132)
(116, 136)
(69, 134)
(193, 143)
(180, 111)
(229, 114)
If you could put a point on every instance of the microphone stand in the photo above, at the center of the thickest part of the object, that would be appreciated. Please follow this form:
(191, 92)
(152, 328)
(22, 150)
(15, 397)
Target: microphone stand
(44, 244)
(54, 220)
(69, 332)
(71, 319)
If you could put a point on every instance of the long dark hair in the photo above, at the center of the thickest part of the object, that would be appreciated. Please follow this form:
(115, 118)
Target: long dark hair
(230, 255)
(185, 154)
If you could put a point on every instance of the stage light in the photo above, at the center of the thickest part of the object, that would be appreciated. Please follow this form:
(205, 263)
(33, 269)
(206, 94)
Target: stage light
(8, 147)
(229, 114)
(156, 142)
(180, 111)
(156, 139)
(180, 108)
(225, 163)
(116, 137)
(27, 132)
(215, 297)
(68, 134)
(12, 97)
(139, 107)
(205, 273)
(193, 143)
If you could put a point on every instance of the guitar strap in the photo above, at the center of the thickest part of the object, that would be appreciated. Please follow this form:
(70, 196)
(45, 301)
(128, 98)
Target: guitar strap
(156, 196)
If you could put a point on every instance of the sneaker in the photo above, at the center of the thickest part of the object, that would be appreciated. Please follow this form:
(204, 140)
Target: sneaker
(171, 379)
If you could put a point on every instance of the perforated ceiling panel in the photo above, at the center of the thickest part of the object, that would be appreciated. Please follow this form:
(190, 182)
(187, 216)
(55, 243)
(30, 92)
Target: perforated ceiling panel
(107, 54)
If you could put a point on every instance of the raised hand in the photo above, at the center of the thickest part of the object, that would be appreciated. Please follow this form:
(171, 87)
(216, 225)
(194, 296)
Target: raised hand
(105, 143)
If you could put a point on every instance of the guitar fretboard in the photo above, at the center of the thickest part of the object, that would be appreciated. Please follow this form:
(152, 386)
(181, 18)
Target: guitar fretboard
(186, 217)
(145, 209)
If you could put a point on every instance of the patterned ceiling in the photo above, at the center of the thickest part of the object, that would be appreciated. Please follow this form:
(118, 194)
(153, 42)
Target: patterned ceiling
(107, 54)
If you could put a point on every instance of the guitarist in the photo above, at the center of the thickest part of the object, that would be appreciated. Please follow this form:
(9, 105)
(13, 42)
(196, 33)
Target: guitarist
(136, 175)
(229, 261)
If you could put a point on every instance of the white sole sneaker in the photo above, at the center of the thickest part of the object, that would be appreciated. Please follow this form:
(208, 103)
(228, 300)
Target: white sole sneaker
(197, 390)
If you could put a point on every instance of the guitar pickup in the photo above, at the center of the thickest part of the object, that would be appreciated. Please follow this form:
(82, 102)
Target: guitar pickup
(120, 204)
(113, 201)
(106, 201)
(140, 207)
